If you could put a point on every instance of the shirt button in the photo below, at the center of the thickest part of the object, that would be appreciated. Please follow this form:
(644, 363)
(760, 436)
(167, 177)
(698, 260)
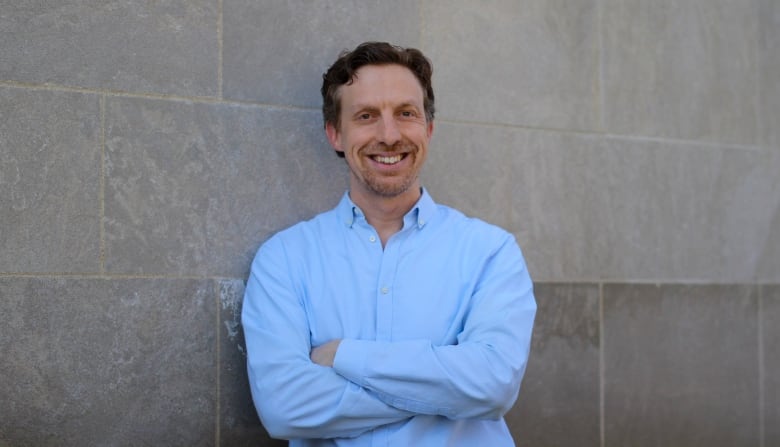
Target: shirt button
(384, 290)
(372, 239)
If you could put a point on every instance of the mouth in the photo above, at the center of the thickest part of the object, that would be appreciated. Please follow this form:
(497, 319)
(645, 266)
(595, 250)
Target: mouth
(388, 159)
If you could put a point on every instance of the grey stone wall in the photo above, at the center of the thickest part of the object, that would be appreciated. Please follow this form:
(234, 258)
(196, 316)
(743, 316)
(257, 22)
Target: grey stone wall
(148, 148)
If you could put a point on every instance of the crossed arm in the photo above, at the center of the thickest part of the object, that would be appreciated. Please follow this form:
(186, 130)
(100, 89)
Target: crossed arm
(344, 388)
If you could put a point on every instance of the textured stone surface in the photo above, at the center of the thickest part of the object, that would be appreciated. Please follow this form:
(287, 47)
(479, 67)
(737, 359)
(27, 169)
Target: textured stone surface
(158, 47)
(771, 342)
(532, 63)
(107, 362)
(195, 182)
(275, 52)
(585, 206)
(195, 188)
(680, 365)
(681, 69)
(769, 60)
(769, 264)
(49, 178)
(239, 423)
(559, 399)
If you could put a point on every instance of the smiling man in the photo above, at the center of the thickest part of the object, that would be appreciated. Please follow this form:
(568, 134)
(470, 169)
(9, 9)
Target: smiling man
(390, 320)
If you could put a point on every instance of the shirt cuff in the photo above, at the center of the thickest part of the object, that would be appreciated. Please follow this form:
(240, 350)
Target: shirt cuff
(351, 359)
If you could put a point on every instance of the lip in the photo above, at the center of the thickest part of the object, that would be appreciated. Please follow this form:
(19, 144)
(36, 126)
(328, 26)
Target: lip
(379, 166)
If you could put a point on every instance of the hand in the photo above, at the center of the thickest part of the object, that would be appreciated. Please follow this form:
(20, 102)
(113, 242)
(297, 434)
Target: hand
(324, 354)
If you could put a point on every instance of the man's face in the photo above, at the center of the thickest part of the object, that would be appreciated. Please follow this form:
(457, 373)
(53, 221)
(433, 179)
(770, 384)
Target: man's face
(383, 131)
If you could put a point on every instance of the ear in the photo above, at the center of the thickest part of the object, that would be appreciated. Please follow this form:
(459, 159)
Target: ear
(430, 129)
(334, 137)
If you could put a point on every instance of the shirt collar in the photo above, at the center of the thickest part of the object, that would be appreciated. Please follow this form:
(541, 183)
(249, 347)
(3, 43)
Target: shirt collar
(421, 213)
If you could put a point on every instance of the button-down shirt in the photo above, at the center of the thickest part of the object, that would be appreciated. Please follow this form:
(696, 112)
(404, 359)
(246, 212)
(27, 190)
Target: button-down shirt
(435, 330)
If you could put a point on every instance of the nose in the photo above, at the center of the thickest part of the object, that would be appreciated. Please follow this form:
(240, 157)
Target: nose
(388, 132)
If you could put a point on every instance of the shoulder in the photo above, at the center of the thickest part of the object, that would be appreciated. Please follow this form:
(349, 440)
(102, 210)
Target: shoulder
(301, 236)
(469, 228)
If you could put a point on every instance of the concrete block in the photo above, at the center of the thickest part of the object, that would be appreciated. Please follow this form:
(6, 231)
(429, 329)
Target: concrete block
(769, 252)
(586, 206)
(531, 63)
(770, 324)
(769, 61)
(193, 189)
(275, 52)
(50, 176)
(239, 423)
(680, 365)
(122, 362)
(155, 47)
(559, 398)
(681, 69)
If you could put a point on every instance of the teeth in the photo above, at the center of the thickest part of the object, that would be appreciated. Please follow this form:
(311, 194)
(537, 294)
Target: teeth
(388, 160)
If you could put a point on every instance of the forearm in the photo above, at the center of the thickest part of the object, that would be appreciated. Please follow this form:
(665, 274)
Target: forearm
(310, 401)
(295, 397)
(468, 380)
(479, 373)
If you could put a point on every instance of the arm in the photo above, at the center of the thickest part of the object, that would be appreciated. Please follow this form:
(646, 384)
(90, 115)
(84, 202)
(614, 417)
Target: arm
(480, 376)
(295, 397)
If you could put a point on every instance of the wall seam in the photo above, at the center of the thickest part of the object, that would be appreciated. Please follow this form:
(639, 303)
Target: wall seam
(600, 94)
(102, 187)
(147, 95)
(608, 135)
(761, 365)
(218, 350)
(602, 421)
(233, 102)
(98, 275)
(421, 18)
(759, 124)
(220, 41)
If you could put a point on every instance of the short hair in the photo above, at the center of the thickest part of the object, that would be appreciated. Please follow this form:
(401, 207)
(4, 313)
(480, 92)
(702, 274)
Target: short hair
(342, 72)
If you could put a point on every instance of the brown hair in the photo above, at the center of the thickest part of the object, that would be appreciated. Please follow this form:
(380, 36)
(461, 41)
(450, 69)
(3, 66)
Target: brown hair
(343, 71)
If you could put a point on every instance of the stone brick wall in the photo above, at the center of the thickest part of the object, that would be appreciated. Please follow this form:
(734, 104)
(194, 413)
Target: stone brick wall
(149, 147)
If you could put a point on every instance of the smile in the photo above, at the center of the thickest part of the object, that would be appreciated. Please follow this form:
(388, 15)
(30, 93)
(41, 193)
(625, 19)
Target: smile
(388, 160)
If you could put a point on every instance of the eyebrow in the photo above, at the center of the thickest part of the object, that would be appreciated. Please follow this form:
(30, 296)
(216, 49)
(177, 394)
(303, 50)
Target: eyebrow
(364, 106)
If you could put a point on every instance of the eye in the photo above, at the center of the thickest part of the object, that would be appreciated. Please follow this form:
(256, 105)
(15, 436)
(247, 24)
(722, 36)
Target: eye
(408, 113)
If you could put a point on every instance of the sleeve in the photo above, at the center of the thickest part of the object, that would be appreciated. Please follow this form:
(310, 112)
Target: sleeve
(294, 397)
(479, 377)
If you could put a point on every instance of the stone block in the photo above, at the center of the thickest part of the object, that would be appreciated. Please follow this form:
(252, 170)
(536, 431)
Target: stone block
(769, 252)
(239, 423)
(275, 52)
(559, 398)
(680, 365)
(531, 63)
(193, 189)
(681, 69)
(122, 362)
(50, 176)
(166, 47)
(471, 168)
(587, 206)
(770, 325)
(769, 60)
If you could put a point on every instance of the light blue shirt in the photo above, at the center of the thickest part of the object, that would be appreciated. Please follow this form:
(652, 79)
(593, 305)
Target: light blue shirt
(435, 330)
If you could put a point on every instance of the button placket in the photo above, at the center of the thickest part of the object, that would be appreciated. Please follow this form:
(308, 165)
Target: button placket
(384, 290)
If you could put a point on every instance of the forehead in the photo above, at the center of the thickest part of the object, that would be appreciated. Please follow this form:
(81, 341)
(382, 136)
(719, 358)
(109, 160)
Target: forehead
(378, 84)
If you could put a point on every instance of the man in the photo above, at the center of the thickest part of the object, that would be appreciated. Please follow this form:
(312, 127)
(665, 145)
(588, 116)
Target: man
(389, 320)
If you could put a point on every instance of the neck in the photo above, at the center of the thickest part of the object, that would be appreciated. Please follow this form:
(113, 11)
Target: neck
(386, 214)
